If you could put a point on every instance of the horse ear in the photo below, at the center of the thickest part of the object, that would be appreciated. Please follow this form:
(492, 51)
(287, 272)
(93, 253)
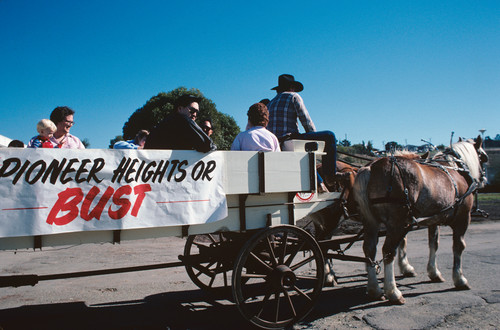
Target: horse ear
(479, 141)
(459, 139)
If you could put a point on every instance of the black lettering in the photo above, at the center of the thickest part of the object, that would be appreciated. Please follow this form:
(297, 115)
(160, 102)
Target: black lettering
(42, 165)
(81, 170)
(160, 171)
(55, 169)
(6, 164)
(148, 173)
(174, 164)
(211, 165)
(120, 170)
(139, 170)
(197, 171)
(130, 170)
(182, 171)
(21, 171)
(67, 170)
(98, 165)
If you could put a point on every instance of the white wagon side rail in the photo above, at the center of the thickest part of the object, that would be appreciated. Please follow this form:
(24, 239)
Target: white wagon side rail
(62, 197)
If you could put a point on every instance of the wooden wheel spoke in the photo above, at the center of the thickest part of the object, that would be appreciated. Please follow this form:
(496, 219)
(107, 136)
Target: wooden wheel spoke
(289, 299)
(285, 242)
(276, 298)
(260, 261)
(302, 293)
(298, 247)
(277, 311)
(212, 238)
(249, 276)
(302, 263)
(224, 274)
(271, 252)
(201, 245)
(205, 269)
(265, 301)
(304, 277)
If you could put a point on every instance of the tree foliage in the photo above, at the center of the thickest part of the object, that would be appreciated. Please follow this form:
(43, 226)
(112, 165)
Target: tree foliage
(86, 143)
(161, 105)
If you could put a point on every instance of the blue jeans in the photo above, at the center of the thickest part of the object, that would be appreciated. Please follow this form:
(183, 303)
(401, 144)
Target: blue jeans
(329, 160)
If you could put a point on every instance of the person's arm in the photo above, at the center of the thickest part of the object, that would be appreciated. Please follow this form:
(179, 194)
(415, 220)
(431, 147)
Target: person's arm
(303, 114)
(35, 143)
(198, 139)
(124, 145)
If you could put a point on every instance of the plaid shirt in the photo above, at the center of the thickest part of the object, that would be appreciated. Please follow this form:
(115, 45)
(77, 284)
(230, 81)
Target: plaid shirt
(284, 110)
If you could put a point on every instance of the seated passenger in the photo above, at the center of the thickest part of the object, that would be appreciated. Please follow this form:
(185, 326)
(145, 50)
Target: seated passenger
(207, 127)
(137, 143)
(288, 107)
(45, 128)
(63, 118)
(178, 131)
(16, 144)
(256, 137)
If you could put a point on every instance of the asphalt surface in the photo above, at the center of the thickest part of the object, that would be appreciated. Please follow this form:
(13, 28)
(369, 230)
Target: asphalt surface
(167, 299)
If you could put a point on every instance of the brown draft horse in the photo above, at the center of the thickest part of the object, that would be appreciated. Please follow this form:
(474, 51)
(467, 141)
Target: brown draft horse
(400, 192)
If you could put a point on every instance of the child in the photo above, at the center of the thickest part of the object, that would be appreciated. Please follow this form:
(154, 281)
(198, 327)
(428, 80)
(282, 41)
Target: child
(45, 128)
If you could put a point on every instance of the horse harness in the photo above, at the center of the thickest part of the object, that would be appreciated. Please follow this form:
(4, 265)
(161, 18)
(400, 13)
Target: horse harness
(407, 202)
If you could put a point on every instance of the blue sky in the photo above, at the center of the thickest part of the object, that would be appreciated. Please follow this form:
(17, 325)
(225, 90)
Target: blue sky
(372, 70)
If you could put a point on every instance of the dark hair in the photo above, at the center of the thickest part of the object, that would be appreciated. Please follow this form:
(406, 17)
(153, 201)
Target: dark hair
(209, 120)
(141, 135)
(16, 144)
(185, 100)
(258, 115)
(59, 114)
(265, 101)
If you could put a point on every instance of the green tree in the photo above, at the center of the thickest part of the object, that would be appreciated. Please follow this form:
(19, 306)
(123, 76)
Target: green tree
(161, 105)
(345, 143)
(86, 143)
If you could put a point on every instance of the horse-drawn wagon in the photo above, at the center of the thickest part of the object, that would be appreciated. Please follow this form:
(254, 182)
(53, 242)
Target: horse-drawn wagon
(238, 210)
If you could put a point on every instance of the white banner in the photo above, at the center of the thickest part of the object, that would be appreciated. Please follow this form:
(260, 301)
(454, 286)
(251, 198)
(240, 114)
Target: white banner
(47, 191)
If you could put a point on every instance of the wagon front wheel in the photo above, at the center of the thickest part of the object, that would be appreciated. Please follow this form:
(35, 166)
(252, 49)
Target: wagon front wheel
(278, 276)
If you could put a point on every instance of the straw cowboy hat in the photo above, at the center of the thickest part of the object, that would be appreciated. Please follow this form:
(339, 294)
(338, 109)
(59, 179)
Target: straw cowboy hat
(287, 80)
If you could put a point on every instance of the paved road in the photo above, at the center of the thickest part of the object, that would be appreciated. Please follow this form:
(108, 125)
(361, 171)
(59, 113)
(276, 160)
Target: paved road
(167, 299)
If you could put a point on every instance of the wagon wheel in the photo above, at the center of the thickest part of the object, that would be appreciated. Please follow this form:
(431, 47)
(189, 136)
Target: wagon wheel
(208, 260)
(278, 276)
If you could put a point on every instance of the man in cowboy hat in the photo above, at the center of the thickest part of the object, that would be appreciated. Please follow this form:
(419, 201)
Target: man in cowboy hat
(286, 108)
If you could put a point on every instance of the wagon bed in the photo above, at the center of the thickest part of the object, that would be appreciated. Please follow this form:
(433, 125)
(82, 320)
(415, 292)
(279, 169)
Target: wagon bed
(248, 242)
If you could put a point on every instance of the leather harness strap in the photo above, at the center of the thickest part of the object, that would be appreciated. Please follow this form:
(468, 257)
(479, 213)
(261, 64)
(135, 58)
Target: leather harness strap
(406, 202)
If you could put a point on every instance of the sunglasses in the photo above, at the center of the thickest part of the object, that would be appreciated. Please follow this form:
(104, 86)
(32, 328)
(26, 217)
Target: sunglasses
(193, 110)
(206, 128)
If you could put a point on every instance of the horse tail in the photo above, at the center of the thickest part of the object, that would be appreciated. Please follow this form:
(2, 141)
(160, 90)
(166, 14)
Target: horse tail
(360, 192)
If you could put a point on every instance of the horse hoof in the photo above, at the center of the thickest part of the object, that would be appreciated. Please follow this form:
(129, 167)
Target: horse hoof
(437, 279)
(376, 296)
(410, 274)
(463, 287)
(399, 301)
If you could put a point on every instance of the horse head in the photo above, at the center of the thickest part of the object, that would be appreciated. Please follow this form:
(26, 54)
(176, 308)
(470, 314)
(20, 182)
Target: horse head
(473, 155)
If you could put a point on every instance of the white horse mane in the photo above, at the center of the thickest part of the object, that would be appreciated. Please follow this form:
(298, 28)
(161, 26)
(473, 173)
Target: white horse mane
(468, 154)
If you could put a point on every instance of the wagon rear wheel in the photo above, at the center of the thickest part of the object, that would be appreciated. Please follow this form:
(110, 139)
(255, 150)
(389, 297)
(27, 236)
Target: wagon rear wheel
(278, 276)
(208, 260)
